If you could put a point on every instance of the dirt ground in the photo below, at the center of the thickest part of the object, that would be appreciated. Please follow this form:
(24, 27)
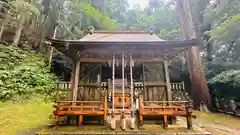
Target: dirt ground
(218, 124)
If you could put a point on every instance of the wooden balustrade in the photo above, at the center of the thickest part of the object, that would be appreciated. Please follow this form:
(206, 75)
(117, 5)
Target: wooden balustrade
(67, 85)
(63, 85)
(177, 86)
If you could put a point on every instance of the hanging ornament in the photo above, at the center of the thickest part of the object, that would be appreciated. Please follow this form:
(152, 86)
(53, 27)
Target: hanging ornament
(133, 63)
(109, 63)
(117, 63)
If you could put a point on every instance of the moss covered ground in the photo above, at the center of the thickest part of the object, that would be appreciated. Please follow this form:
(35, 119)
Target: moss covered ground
(218, 118)
(17, 118)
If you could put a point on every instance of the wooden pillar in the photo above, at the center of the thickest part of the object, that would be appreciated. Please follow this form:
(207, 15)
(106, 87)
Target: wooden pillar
(131, 80)
(144, 80)
(199, 87)
(165, 121)
(57, 120)
(113, 83)
(123, 83)
(167, 79)
(75, 80)
(105, 108)
(189, 116)
(73, 75)
(80, 120)
(140, 109)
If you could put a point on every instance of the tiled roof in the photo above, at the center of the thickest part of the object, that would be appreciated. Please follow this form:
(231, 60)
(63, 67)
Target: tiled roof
(121, 36)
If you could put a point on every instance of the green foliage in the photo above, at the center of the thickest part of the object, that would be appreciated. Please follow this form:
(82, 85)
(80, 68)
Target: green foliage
(225, 79)
(94, 17)
(23, 8)
(223, 17)
(23, 73)
(227, 30)
(231, 77)
(160, 17)
(171, 34)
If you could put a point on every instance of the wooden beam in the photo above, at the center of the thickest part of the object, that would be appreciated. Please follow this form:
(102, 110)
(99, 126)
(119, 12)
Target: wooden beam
(102, 60)
(77, 107)
(147, 84)
(164, 107)
(76, 79)
(94, 60)
(167, 79)
(144, 60)
(134, 51)
(162, 102)
(90, 84)
(79, 102)
(69, 113)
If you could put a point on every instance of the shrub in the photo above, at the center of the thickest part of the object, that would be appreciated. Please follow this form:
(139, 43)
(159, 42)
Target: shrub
(23, 73)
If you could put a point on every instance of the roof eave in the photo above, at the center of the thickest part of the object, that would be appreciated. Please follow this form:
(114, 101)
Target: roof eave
(173, 44)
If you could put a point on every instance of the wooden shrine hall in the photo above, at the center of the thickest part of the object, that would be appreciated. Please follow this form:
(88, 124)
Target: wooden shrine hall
(122, 78)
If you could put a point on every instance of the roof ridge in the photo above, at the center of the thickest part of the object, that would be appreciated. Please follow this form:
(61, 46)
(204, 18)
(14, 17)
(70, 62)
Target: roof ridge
(104, 36)
(123, 32)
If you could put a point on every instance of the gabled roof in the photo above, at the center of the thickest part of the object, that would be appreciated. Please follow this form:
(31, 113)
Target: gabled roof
(139, 43)
(121, 36)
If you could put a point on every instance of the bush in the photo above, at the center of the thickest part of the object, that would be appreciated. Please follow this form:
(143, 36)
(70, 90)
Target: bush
(23, 73)
(225, 80)
(231, 77)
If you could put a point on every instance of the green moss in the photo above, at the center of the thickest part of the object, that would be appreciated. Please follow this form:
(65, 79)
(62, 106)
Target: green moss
(19, 117)
(218, 118)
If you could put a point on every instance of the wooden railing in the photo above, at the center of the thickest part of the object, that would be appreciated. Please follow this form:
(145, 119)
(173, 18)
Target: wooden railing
(177, 86)
(67, 85)
(178, 89)
(63, 85)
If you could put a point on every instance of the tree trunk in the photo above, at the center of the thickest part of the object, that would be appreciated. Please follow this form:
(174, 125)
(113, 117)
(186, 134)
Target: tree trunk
(3, 24)
(209, 44)
(51, 48)
(18, 32)
(1, 31)
(199, 90)
(43, 32)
